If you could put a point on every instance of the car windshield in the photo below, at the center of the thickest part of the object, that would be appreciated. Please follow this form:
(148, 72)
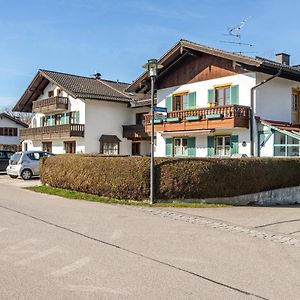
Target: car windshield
(15, 158)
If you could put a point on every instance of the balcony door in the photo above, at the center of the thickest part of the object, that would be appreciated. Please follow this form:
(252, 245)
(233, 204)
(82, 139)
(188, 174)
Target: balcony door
(295, 107)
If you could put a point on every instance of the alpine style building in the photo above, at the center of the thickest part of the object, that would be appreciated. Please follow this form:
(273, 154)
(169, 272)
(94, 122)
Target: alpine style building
(219, 104)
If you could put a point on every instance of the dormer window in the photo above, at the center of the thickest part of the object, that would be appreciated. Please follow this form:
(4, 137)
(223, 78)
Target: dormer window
(58, 91)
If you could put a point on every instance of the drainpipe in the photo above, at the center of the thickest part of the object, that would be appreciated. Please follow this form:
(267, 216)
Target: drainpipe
(252, 117)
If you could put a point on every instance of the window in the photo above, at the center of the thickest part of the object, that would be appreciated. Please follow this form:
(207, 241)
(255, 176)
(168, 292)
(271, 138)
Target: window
(180, 147)
(222, 96)
(140, 119)
(34, 156)
(47, 146)
(111, 148)
(223, 145)
(295, 102)
(8, 131)
(285, 145)
(70, 147)
(179, 102)
(50, 94)
(58, 91)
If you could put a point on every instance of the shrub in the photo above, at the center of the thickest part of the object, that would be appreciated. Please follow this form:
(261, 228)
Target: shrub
(188, 178)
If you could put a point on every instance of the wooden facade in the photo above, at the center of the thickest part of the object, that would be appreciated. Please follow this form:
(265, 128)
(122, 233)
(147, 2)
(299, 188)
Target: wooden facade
(220, 117)
(50, 105)
(52, 132)
(195, 68)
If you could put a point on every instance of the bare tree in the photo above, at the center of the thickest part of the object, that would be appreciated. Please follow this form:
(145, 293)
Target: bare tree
(24, 117)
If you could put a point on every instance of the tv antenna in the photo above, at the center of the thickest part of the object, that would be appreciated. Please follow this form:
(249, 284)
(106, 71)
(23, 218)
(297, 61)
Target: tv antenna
(235, 32)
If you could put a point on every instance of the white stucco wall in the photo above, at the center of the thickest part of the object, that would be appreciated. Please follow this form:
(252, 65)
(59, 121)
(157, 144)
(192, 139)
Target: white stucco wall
(10, 140)
(245, 82)
(273, 100)
(103, 117)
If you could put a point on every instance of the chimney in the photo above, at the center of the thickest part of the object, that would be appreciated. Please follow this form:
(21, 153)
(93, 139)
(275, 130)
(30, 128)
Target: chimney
(283, 58)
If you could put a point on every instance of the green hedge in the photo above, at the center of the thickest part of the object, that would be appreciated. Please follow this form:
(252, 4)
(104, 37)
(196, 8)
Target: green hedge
(190, 178)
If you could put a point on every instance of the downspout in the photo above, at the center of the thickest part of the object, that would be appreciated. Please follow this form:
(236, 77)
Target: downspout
(252, 117)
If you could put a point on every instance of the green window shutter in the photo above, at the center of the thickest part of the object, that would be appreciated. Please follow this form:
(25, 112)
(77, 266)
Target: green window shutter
(234, 144)
(210, 146)
(191, 143)
(67, 118)
(41, 121)
(63, 119)
(169, 103)
(211, 96)
(169, 147)
(76, 117)
(53, 120)
(234, 94)
(191, 100)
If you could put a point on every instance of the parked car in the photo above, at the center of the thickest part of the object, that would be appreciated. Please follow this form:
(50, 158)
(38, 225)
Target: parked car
(5, 155)
(26, 164)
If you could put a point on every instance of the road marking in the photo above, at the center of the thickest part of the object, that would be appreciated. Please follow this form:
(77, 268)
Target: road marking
(72, 267)
(38, 256)
(93, 289)
(18, 248)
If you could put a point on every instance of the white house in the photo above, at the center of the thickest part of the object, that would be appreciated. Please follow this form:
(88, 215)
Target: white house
(9, 132)
(76, 114)
(223, 104)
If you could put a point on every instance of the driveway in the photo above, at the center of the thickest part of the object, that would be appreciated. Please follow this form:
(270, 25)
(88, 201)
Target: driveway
(55, 248)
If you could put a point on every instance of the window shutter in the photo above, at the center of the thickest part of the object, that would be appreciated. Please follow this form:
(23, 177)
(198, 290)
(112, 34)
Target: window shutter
(211, 96)
(169, 103)
(234, 144)
(76, 117)
(191, 100)
(52, 120)
(169, 147)
(191, 143)
(234, 94)
(67, 118)
(63, 119)
(41, 121)
(210, 146)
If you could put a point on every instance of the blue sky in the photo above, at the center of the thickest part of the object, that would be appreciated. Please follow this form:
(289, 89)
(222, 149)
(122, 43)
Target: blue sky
(116, 37)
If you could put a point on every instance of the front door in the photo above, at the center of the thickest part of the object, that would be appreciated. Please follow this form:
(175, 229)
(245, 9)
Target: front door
(136, 148)
(295, 107)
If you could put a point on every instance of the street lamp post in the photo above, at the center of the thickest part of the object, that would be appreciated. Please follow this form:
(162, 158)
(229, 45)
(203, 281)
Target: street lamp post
(152, 66)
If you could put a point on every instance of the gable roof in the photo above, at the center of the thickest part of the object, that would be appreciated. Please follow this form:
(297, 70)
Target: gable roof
(7, 116)
(185, 47)
(76, 86)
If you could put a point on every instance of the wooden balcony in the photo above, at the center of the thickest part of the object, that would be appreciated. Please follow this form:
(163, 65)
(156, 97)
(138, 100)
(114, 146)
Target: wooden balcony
(135, 132)
(219, 117)
(50, 105)
(52, 132)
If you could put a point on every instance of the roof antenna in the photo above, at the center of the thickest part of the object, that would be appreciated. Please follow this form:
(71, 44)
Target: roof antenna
(235, 32)
(97, 75)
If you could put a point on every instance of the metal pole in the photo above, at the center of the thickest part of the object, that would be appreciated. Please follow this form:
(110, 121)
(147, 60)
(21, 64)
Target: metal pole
(152, 142)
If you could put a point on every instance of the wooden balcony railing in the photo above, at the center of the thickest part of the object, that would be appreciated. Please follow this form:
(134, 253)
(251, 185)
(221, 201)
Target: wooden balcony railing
(51, 132)
(135, 132)
(53, 104)
(228, 116)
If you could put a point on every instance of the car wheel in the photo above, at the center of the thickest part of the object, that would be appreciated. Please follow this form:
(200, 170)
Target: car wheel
(26, 174)
(13, 176)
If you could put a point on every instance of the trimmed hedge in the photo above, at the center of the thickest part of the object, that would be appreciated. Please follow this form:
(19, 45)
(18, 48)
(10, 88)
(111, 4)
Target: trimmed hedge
(188, 178)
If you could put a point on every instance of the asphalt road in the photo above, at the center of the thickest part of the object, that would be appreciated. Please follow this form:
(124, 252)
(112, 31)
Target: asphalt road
(55, 248)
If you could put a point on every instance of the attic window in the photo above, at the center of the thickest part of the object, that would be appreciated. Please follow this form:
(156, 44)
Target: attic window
(58, 91)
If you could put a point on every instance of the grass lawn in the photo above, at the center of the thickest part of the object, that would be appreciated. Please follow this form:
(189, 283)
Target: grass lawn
(89, 197)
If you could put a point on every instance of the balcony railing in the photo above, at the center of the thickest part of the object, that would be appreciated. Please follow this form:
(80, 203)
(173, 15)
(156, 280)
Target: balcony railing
(53, 104)
(52, 132)
(135, 132)
(228, 116)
